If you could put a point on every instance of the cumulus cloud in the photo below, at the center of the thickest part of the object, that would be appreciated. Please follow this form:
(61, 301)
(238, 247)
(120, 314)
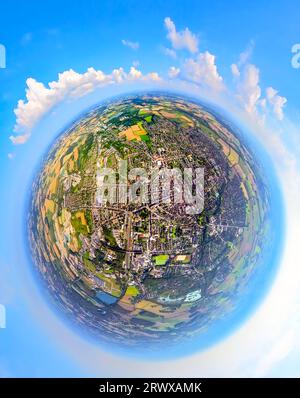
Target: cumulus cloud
(235, 70)
(203, 70)
(173, 72)
(243, 59)
(249, 93)
(246, 54)
(170, 52)
(154, 76)
(136, 63)
(70, 85)
(134, 45)
(19, 139)
(248, 90)
(276, 101)
(184, 39)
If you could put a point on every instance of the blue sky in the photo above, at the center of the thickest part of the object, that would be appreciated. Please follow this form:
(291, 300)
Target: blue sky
(43, 40)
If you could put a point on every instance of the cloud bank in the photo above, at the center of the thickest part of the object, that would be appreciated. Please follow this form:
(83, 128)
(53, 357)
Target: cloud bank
(203, 70)
(199, 69)
(184, 39)
(134, 45)
(69, 85)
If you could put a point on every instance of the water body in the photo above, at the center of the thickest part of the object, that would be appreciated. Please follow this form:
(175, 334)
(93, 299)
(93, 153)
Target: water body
(106, 298)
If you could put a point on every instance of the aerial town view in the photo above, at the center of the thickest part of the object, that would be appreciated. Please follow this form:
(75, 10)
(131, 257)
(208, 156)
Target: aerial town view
(130, 262)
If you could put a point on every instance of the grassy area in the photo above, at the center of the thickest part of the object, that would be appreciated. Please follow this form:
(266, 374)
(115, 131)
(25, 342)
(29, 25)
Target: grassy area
(132, 291)
(111, 286)
(87, 262)
(161, 259)
(109, 237)
(145, 138)
(84, 151)
(78, 225)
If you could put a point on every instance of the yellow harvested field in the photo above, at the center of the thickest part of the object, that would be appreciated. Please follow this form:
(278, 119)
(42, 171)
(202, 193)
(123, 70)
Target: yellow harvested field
(135, 128)
(71, 165)
(53, 186)
(186, 119)
(146, 305)
(182, 257)
(233, 157)
(168, 115)
(225, 147)
(133, 133)
(76, 154)
(49, 205)
(126, 303)
(81, 216)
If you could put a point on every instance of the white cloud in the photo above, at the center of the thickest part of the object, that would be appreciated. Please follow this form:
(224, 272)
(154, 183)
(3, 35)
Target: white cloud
(235, 70)
(249, 93)
(246, 54)
(184, 39)
(203, 70)
(10, 155)
(134, 74)
(154, 76)
(136, 63)
(248, 90)
(263, 103)
(276, 353)
(19, 139)
(173, 72)
(276, 101)
(70, 85)
(170, 52)
(134, 45)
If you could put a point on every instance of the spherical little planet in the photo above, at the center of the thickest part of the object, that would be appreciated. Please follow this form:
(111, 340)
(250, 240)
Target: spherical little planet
(149, 218)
